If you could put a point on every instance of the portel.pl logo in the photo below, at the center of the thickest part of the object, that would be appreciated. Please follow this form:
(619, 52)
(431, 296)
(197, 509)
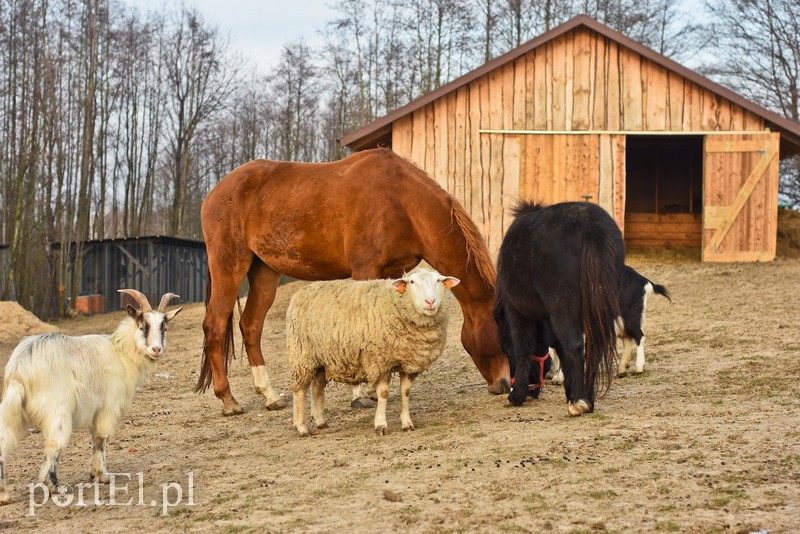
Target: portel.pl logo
(123, 489)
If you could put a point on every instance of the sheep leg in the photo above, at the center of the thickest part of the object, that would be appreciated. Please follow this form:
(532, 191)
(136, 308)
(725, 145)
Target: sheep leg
(263, 286)
(98, 468)
(299, 401)
(318, 399)
(382, 389)
(405, 393)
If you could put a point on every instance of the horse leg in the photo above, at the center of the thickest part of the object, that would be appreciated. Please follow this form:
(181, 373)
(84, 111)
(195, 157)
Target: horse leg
(263, 286)
(570, 348)
(225, 281)
(524, 339)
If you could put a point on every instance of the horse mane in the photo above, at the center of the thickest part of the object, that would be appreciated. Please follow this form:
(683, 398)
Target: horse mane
(523, 205)
(477, 252)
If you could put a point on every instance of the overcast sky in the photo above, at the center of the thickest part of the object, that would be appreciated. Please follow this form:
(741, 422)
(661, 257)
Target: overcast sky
(257, 28)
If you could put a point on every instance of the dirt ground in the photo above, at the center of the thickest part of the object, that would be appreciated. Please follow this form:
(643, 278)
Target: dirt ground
(706, 440)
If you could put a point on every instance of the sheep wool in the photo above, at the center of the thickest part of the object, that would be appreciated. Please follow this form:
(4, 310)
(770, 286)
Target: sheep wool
(360, 330)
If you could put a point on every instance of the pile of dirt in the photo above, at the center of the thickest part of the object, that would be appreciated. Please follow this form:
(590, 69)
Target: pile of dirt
(16, 322)
(788, 233)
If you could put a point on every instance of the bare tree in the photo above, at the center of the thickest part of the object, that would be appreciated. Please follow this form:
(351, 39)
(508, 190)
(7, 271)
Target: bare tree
(758, 46)
(198, 82)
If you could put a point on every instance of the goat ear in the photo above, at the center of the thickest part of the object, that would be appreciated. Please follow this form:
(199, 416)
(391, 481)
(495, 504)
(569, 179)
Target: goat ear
(132, 312)
(170, 315)
(400, 285)
(450, 282)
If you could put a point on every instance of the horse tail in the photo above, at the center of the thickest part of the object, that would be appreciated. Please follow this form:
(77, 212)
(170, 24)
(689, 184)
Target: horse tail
(600, 308)
(228, 347)
(477, 251)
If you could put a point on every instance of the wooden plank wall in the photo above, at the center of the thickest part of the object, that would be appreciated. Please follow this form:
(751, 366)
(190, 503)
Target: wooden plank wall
(578, 81)
(729, 161)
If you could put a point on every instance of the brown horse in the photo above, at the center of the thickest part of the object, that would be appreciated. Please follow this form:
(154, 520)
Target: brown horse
(371, 215)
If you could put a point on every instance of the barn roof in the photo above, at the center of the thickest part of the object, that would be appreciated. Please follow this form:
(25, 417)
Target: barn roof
(381, 128)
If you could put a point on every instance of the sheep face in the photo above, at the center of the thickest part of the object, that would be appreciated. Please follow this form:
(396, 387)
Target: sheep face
(151, 330)
(425, 290)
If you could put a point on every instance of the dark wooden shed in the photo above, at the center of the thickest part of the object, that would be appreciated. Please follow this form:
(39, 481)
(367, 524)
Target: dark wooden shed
(153, 265)
(584, 113)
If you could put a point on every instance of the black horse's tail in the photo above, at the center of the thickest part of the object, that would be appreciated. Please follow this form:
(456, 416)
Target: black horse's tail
(600, 308)
(228, 347)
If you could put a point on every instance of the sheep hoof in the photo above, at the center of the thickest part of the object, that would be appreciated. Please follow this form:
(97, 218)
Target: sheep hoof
(232, 409)
(380, 430)
(638, 371)
(363, 403)
(622, 374)
(408, 427)
(303, 431)
(322, 425)
(578, 408)
(275, 405)
(4, 498)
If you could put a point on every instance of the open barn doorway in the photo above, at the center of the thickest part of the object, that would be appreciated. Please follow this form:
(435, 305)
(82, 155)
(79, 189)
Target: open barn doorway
(664, 191)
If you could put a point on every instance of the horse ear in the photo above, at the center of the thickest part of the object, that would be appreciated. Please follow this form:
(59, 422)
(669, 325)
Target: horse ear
(450, 282)
(400, 285)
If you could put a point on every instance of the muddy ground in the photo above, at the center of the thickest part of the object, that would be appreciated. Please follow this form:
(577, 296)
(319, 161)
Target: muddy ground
(706, 440)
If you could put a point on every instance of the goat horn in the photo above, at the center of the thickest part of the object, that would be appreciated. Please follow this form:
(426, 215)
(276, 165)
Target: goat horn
(140, 299)
(165, 300)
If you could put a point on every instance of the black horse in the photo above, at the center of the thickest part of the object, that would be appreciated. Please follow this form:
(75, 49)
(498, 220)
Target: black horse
(557, 279)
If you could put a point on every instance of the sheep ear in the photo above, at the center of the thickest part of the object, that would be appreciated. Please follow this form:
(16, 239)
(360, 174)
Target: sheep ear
(400, 285)
(450, 282)
(132, 312)
(170, 315)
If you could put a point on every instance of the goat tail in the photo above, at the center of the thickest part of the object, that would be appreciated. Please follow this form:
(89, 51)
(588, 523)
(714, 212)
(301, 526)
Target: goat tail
(600, 308)
(228, 348)
(12, 416)
(661, 290)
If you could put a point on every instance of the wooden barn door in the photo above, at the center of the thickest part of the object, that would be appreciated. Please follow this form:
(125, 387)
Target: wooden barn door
(740, 197)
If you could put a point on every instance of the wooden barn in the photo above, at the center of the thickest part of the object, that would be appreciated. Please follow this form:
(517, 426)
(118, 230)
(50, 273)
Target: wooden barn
(584, 113)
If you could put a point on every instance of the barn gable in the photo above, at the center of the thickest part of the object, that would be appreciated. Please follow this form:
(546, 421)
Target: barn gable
(583, 112)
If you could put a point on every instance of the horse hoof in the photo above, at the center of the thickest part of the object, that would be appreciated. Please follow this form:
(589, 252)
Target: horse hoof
(500, 387)
(232, 409)
(578, 408)
(363, 403)
(276, 405)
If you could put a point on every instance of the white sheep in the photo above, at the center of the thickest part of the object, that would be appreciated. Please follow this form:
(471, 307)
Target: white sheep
(58, 383)
(363, 331)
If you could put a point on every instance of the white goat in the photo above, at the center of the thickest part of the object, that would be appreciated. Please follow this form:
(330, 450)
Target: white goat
(58, 383)
(363, 331)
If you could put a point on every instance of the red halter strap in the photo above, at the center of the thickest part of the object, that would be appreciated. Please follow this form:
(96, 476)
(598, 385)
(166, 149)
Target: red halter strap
(540, 360)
